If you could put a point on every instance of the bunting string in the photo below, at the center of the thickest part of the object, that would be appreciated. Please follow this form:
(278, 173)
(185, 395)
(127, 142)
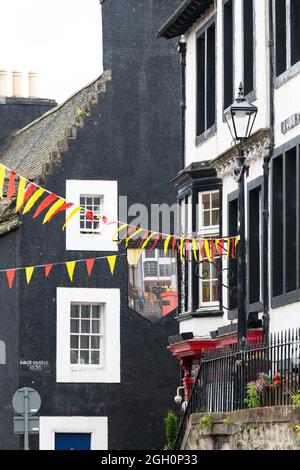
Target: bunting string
(70, 267)
(28, 194)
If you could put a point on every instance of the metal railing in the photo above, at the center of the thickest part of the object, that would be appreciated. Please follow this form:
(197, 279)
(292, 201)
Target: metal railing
(273, 367)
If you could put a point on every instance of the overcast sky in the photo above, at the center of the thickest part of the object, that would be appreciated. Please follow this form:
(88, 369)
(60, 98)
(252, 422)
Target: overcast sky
(59, 39)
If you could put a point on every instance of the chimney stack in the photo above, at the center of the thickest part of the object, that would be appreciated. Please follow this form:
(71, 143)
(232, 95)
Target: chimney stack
(17, 83)
(3, 83)
(32, 85)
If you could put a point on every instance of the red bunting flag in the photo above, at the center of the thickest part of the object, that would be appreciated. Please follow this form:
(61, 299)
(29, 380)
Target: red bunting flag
(89, 265)
(64, 207)
(11, 185)
(212, 249)
(10, 274)
(90, 215)
(233, 249)
(220, 247)
(48, 269)
(174, 241)
(201, 247)
(29, 191)
(155, 242)
(44, 204)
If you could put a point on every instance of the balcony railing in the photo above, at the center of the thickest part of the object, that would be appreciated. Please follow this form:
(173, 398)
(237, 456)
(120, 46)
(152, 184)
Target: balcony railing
(272, 366)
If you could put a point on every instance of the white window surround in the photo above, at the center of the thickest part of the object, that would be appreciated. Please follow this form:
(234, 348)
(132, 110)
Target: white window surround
(108, 190)
(96, 425)
(109, 370)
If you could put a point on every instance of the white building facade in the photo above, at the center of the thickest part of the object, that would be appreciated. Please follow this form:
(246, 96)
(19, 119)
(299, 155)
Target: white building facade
(224, 43)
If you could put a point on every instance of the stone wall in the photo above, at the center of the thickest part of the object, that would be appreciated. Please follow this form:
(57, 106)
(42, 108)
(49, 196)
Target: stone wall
(270, 428)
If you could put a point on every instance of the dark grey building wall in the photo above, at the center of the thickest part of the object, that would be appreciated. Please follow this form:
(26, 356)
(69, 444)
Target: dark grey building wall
(16, 113)
(131, 135)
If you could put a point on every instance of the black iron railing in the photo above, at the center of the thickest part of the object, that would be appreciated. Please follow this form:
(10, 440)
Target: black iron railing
(272, 366)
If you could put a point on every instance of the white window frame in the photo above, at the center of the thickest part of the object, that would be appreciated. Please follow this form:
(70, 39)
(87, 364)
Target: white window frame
(81, 334)
(211, 303)
(75, 240)
(109, 370)
(97, 426)
(84, 218)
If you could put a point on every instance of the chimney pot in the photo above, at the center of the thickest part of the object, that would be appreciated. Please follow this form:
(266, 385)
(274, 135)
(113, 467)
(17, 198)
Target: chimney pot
(32, 85)
(17, 83)
(3, 83)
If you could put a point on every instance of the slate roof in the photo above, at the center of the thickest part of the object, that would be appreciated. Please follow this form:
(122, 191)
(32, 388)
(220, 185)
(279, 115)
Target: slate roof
(183, 18)
(32, 150)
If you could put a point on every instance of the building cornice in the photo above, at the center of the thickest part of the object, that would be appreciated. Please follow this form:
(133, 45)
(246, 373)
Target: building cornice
(256, 148)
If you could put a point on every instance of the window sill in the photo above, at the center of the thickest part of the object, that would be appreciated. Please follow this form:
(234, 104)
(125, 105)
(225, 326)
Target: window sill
(200, 314)
(86, 368)
(285, 299)
(287, 75)
(206, 135)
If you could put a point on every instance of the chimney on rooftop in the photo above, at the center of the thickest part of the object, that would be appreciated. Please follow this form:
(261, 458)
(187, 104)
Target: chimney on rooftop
(17, 83)
(32, 85)
(3, 83)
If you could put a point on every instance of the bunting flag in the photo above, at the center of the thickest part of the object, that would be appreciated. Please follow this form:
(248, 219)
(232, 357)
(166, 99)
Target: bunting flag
(33, 199)
(71, 268)
(21, 193)
(2, 179)
(28, 194)
(10, 274)
(89, 266)
(48, 269)
(11, 185)
(112, 263)
(29, 273)
(44, 204)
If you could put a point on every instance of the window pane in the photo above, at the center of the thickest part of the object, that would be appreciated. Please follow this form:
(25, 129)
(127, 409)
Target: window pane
(74, 311)
(201, 84)
(205, 201)
(74, 342)
(84, 342)
(95, 326)
(206, 291)
(85, 326)
(74, 326)
(215, 198)
(95, 357)
(96, 311)
(85, 311)
(95, 342)
(84, 357)
(206, 218)
(215, 293)
(228, 54)
(74, 357)
(215, 217)
(211, 77)
(280, 11)
(248, 46)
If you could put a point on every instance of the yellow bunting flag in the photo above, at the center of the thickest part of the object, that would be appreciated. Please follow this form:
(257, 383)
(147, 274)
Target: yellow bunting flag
(29, 273)
(195, 249)
(34, 198)
(119, 230)
(21, 192)
(53, 209)
(207, 249)
(228, 247)
(139, 230)
(181, 247)
(70, 216)
(112, 263)
(166, 244)
(147, 241)
(2, 178)
(70, 268)
(236, 241)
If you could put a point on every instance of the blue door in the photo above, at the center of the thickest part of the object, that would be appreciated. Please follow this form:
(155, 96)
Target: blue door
(72, 441)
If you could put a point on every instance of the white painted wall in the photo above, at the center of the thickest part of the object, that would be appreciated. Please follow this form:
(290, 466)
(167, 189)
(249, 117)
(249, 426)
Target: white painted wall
(96, 425)
(221, 141)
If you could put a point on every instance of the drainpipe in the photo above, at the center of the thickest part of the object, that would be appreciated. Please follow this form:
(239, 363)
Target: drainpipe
(266, 179)
(182, 52)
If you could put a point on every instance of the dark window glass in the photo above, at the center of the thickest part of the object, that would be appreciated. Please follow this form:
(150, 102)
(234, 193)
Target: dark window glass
(206, 80)
(150, 269)
(248, 46)
(201, 84)
(290, 220)
(211, 76)
(233, 230)
(228, 54)
(295, 33)
(254, 243)
(277, 222)
(280, 36)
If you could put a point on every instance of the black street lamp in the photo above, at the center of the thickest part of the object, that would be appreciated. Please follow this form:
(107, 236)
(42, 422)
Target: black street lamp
(240, 117)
